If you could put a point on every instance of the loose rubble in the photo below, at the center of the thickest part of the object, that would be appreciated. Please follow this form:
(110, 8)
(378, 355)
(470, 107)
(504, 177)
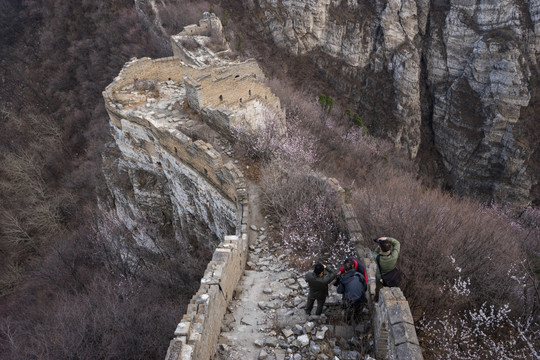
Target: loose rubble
(266, 318)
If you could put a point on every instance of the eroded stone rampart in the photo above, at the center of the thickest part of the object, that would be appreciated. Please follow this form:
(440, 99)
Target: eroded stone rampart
(197, 333)
(198, 155)
(225, 96)
(192, 44)
(163, 69)
(394, 332)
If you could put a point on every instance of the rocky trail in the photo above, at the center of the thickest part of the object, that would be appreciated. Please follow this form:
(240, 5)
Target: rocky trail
(266, 318)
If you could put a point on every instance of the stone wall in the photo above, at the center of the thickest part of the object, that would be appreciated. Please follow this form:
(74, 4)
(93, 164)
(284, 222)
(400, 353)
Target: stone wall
(394, 332)
(232, 97)
(147, 141)
(169, 68)
(196, 335)
(395, 335)
(226, 97)
(198, 155)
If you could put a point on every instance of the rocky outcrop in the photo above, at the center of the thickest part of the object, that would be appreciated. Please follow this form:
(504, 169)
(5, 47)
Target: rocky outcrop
(481, 61)
(459, 74)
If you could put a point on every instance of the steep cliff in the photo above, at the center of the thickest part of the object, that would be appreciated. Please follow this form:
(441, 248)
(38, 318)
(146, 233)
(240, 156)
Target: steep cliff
(161, 180)
(459, 75)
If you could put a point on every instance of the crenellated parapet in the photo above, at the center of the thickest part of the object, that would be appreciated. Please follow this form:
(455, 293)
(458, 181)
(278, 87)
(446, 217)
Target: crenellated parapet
(196, 335)
(228, 98)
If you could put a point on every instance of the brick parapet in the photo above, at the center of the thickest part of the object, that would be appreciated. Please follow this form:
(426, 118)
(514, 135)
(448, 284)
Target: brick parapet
(394, 331)
(395, 335)
(196, 335)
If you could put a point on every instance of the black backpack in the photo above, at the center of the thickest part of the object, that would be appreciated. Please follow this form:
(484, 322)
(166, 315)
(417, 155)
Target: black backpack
(392, 278)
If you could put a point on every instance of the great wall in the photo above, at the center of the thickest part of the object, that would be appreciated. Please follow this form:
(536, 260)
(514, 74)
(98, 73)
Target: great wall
(150, 104)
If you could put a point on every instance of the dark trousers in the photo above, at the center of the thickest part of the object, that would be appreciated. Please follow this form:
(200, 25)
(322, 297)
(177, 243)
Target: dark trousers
(311, 301)
(352, 312)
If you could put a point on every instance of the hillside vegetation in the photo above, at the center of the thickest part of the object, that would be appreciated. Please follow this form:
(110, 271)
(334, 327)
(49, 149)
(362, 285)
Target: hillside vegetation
(471, 269)
(65, 289)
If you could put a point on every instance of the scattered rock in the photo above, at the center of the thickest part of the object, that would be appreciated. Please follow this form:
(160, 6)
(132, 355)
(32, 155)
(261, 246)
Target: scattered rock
(309, 326)
(287, 332)
(263, 355)
(303, 284)
(270, 342)
(303, 340)
(314, 347)
(298, 330)
(321, 333)
(259, 343)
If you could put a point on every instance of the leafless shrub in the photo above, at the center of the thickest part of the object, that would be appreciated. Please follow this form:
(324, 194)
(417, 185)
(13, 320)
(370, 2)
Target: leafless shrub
(486, 331)
(105, 323)
(149, 85)
(189, 43)
(307, 211)
(432, 225)
(341, 150)
(456, 254)
(86, 297)
(30, 210)
(260, 144)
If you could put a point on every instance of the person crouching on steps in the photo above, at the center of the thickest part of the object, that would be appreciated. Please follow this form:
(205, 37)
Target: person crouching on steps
(318, 281)
(353, 287)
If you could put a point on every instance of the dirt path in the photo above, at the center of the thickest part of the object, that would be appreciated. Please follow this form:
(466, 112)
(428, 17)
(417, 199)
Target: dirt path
(266, 320)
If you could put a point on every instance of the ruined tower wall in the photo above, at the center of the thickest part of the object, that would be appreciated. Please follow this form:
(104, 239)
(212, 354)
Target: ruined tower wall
(236, 90)
(169, 68)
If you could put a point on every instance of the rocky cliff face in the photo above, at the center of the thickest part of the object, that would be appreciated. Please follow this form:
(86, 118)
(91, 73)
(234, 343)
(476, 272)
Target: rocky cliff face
(155, 195)
(458, 74)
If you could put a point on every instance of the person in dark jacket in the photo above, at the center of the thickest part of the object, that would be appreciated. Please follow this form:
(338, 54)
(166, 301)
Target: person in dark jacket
(357, 267)
(352, 286)
(318, 281)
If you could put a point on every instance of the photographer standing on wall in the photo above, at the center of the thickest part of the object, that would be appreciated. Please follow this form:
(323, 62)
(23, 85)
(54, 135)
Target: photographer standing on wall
(386, 255)
(318, 281)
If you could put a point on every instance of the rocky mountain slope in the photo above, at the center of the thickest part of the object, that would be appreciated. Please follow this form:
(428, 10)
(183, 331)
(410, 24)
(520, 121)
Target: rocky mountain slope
(454, 79)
